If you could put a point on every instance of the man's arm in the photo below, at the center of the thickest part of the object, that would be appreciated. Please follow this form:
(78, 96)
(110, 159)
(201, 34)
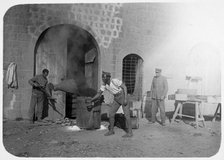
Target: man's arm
(99, 93)
(152, 88)
(123, 86)
(32, 82)
(165, 83)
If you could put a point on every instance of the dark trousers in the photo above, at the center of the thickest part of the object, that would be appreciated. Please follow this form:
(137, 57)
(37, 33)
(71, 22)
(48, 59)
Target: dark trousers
(36, 106)
(157, 103)
(112, 111)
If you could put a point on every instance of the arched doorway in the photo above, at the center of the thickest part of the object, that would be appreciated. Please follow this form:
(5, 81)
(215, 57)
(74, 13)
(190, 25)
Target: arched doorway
(69, 52)
(132, 75)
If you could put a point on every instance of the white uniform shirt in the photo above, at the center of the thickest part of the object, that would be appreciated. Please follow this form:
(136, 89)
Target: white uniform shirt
(114, 86)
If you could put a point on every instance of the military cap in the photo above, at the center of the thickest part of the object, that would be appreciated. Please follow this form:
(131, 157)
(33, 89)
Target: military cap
(106, 73)
(157, 70)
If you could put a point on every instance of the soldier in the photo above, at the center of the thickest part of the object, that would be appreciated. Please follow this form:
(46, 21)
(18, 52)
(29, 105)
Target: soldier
(39, 83)
(119, 90)
(159, 90)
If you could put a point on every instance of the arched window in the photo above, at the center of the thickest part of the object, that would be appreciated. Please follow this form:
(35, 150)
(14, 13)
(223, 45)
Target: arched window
(204, 62)
(132, 75)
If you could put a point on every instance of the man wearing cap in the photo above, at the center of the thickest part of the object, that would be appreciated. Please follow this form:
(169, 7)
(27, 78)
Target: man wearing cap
(119, 90)
(38, 83)
(159, 90)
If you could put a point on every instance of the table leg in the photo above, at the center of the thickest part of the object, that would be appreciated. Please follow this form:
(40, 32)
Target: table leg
(216, 112)
(196, 114)
(200, 114)
(179, 105)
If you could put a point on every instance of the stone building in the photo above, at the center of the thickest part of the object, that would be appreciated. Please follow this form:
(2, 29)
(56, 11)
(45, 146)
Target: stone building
(129, 40)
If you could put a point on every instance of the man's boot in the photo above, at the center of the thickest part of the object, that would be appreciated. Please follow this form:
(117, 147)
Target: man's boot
(111, 127)
(129, 129)
(109, 133)
(127, 135)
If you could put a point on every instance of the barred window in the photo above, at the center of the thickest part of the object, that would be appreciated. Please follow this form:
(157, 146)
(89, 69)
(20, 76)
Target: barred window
(132, 73)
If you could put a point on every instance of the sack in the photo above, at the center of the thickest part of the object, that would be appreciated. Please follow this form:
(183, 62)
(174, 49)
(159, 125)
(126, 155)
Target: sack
(119, 98)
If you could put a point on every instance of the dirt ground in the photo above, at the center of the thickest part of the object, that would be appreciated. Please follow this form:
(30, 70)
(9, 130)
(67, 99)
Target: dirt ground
(179, 139)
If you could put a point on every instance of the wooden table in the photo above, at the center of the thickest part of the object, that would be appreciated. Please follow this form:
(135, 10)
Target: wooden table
(198, 114)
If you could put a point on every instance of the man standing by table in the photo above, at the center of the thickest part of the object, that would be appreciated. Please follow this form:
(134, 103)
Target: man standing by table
(159, 90)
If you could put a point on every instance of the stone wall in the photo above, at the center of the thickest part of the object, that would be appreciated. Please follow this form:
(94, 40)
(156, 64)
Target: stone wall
(101, 20)
(23, 24)
(16, 43)
(157, 32)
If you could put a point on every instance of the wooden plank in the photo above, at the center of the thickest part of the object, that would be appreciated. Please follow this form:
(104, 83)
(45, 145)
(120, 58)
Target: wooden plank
(184, 115)
(197, 98)
(187, 91)
(181, 97)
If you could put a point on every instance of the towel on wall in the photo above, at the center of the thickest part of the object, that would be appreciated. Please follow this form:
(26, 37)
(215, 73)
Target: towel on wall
(11, 76)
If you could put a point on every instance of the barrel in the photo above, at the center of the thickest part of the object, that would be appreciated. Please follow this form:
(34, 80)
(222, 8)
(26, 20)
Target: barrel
(87, 118)
(148, 106)
(134, 122)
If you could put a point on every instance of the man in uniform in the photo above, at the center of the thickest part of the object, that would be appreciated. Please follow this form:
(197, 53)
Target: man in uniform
(159, 90)
(38, 83)
(119, 90)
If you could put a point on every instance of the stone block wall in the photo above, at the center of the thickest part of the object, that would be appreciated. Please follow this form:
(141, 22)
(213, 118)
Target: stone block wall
(23, 24)
(101, 20)
(150, 30)
(16, 43)
(146, 27)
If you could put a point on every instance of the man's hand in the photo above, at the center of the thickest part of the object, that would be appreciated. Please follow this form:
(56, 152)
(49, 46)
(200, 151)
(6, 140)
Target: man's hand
(125, 102)
(93, 100)
(96, 96)
(42, 87)
(35, 84)
(163, 97)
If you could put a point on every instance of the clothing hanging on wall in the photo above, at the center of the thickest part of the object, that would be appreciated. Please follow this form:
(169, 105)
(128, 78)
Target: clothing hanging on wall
(11, 76)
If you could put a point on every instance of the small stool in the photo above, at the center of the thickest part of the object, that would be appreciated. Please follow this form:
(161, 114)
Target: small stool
(198, 115)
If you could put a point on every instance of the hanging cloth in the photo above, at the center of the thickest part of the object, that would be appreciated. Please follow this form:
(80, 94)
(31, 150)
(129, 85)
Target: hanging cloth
(11, 76)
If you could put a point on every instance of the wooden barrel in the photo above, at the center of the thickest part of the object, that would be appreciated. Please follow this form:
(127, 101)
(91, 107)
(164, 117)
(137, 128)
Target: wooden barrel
(95, 119)
(134, 122)
(86, 118)
(148, 106)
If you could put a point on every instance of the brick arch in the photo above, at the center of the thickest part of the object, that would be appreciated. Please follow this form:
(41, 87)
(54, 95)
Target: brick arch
(46, 58)
(127, 51)
(36, 38)
(36, 33)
